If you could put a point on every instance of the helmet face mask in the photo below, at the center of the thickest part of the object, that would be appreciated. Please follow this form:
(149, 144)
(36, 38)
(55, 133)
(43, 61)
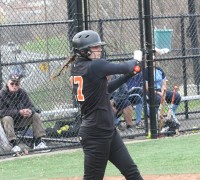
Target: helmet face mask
(84, 40)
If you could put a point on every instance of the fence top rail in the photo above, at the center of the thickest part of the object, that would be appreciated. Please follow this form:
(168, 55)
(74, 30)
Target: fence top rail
(59, 111)
(176, 16)
(187, 98)
(37, 23)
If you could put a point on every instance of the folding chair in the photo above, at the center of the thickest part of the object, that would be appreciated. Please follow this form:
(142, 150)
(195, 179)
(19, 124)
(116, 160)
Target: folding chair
(20, 133)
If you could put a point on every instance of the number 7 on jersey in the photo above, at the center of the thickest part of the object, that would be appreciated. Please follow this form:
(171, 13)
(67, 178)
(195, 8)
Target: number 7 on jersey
(79, 80)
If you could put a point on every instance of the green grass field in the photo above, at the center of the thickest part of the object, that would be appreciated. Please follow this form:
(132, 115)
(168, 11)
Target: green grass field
(58, 45)
(178, 155)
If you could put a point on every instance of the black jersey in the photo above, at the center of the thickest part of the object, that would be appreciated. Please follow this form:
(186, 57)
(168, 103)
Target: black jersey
(90, 87)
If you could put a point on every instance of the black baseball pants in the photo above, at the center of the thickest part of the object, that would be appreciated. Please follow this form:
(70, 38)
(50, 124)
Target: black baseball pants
(99, 146)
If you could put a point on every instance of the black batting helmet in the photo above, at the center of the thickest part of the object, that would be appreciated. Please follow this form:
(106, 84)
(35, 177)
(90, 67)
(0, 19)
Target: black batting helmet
(84, 40)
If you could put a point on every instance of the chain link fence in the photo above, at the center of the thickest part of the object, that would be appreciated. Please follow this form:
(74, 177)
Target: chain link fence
(178, 23)
(35, 41)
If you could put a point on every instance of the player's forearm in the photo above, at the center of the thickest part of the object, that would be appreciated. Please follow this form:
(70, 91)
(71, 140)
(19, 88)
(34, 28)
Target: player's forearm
(114, 84)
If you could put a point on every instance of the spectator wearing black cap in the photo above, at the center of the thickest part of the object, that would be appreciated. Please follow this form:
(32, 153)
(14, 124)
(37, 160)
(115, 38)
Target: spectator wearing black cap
(17, 111)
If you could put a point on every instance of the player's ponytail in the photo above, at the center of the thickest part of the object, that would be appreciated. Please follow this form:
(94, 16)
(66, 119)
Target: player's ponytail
(64, 66)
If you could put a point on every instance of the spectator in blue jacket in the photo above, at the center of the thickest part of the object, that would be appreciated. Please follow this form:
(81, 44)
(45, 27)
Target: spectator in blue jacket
(134, 85)
(124, 102)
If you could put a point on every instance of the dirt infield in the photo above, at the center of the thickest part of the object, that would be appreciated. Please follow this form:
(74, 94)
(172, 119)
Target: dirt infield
(148, 177)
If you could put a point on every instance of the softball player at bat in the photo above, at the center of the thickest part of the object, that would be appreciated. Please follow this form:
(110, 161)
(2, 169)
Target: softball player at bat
(98, 136)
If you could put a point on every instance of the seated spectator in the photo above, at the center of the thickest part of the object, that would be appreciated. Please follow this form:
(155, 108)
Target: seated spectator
(118, 123)
(134, 85)
(160, 85)
(123, 105)
(17, 111)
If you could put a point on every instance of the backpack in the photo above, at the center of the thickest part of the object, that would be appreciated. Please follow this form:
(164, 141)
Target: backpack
(65, 128)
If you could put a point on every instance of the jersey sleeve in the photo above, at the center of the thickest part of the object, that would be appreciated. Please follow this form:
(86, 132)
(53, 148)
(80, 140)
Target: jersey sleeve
(103, 68)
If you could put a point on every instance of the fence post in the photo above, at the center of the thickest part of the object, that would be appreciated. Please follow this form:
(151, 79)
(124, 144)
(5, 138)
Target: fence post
(148, 36)
(86, 14)
(100, 27)
(141, 29)
(193, 34)
(75, 14)
(79, 15)
(184, 66)
(1, 78)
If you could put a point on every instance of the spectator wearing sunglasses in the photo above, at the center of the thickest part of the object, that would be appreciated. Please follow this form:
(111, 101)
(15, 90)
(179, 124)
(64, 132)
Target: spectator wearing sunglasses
(17, 111)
